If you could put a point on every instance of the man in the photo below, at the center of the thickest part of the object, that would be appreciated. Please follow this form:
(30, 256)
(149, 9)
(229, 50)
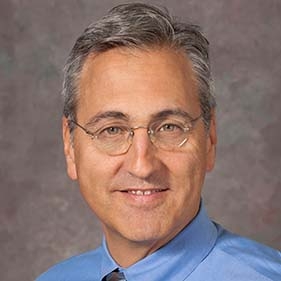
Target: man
(139, 135)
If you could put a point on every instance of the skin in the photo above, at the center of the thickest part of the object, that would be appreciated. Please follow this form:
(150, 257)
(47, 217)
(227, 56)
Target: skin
(140, 84)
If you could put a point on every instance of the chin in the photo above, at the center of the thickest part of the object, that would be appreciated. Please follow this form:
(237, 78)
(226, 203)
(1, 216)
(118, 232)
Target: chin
(153, 235)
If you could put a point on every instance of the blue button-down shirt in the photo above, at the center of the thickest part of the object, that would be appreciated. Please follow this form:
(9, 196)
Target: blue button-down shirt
(202, 251)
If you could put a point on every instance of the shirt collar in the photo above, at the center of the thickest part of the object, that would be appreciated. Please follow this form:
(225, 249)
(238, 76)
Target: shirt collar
(184, 252)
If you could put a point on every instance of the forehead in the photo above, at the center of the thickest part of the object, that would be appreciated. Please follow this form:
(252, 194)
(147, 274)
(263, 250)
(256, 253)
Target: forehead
(137, 82)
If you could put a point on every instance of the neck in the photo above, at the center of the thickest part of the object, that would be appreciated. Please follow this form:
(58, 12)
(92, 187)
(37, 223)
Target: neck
(126, 252)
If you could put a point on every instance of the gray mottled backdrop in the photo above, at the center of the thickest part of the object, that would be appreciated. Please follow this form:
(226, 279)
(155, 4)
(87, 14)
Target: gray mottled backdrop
(43, 218)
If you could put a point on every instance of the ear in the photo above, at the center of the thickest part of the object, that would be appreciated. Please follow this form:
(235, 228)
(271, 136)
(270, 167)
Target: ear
(68, 150)
(211, 143)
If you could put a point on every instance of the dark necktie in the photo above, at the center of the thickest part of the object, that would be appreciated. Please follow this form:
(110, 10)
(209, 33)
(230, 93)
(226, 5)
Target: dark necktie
(115, 275)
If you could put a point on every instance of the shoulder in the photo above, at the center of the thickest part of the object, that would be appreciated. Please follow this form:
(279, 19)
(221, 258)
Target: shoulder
(257, 257)
(72, 268)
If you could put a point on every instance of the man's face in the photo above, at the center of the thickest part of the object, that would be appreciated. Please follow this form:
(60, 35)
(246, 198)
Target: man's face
(146, 195)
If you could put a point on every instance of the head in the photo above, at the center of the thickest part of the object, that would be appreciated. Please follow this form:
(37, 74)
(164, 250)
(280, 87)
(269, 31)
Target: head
(136, 71)
(139, 26)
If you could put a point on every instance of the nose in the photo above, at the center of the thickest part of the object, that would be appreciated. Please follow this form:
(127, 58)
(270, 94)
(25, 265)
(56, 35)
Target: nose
(141, 160)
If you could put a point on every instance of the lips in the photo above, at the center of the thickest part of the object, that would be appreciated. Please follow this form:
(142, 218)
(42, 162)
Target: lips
(143, 198)
(144, 192)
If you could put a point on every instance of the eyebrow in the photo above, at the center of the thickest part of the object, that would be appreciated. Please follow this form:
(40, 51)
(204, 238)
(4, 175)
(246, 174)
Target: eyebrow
(125, 117)
(107, 114)
(171, 112)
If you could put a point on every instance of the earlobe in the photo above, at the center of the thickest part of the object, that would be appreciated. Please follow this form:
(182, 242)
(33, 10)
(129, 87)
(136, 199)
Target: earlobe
(211, 143)
(68, 150)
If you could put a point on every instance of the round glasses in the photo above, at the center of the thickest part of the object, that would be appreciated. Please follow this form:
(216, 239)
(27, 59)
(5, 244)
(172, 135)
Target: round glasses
(116, 137)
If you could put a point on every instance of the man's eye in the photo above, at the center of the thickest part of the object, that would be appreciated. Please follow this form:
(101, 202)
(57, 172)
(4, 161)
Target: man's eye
(170, 127)
(111, 131)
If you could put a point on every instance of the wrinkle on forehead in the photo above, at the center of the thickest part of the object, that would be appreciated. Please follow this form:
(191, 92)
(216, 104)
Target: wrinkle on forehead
(117, 115)
(128, 57)
(114, 68)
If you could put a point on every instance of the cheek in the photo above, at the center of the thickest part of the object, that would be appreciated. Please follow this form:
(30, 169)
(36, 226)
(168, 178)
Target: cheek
(188, 170)
(92, 163)
(95, 172)
(190, 162)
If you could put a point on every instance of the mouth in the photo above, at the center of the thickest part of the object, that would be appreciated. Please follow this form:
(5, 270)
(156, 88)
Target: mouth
(144, 198)
(139, 192)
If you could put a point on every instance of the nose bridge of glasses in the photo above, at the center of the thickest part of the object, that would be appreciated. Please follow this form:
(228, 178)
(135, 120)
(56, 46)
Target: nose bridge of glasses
(133, 129)
(148, 131)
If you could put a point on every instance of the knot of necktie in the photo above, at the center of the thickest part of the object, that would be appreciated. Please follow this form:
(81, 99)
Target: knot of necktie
(115, 275)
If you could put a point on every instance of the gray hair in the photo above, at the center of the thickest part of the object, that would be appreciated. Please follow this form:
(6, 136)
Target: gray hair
(139, 25)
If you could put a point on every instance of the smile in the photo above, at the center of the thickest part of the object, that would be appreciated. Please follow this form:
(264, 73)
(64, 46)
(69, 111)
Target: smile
(145, 192)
